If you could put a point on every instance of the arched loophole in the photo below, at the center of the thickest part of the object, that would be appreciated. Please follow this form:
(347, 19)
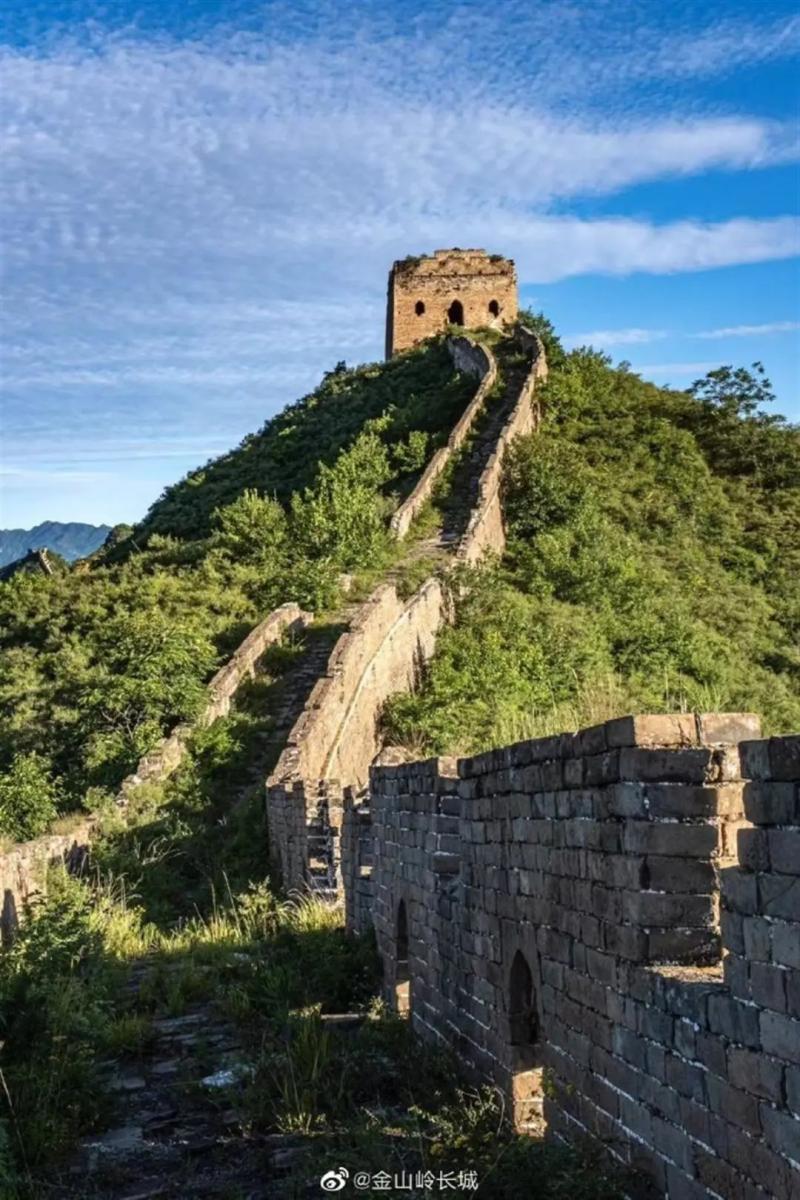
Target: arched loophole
(494, 308)
(402, 976)
(524, 1031)
(419, 307)
(455, 313)
(522, 1011)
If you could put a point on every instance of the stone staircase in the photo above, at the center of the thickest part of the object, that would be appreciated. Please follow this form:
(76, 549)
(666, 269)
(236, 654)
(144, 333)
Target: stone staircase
(323, 828)
(178, 1129)
(462, 494)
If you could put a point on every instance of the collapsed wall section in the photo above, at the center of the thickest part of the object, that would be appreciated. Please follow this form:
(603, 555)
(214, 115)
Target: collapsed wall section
(551, 912)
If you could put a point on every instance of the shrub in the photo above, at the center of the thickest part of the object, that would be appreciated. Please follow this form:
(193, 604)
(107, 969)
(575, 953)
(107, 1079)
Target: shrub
(28, 797)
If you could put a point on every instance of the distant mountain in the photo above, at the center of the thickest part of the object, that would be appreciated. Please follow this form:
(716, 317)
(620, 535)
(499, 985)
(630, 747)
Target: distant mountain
(71, 540)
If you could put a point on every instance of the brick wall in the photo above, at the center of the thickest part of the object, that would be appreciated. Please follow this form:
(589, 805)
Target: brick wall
(337, 736)
(565, 939)
(486, 529)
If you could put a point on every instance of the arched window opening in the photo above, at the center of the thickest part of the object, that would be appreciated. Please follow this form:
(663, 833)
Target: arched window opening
(494, 308)
(522, 1011)
(419, 307)
(523, 1022)
(455, 313)
(402, 976)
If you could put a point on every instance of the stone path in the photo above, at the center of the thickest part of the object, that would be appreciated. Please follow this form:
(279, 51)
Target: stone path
(463, 492)
(177, 1128)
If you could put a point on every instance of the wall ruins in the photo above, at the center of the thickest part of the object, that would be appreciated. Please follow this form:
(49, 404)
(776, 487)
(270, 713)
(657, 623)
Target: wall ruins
(449, 287)
(337, 736)
(471, 358)
(23, 868)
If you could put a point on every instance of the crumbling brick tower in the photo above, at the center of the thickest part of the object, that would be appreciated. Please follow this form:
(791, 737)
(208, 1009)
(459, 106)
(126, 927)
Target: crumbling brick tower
(449, 287)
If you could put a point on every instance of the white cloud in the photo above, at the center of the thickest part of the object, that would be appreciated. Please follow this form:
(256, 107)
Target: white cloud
(193, 231)
(615, 337)
(662, 370)
(734, 331)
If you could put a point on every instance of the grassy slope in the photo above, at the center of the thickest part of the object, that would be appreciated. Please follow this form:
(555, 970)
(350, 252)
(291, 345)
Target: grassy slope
(99, 661)
(419, 389)
(653, 564)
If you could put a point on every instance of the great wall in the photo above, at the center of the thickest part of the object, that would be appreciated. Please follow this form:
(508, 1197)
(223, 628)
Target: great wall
(604, 924)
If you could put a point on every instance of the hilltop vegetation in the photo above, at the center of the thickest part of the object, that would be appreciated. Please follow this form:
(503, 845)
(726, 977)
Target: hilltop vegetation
(652, 565)
(417, 394)
(97, 663)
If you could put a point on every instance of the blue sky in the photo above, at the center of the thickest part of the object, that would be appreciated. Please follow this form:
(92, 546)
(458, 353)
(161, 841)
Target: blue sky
(201, 200)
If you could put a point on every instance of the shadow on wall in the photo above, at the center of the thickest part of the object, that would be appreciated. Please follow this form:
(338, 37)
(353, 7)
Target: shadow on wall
(619, 906)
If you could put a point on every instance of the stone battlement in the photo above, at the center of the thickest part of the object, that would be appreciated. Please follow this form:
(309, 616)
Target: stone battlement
(606, 925)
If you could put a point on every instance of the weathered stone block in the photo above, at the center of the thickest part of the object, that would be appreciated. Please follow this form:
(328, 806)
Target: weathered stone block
(785, 943)
(676, 729)
(782, 1132)
(779, 896)
(756, 1073)
(780, 1035)
(735, 1021)
(683, 841)
(663, 910)
(768, 986)
(753, 849)
(784, 850)
(715, 728)
(665, 766)
(784, 758)
(663, 874)
(772, 803)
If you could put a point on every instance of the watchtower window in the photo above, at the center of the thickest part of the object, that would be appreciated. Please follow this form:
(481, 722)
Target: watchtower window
(494, 308)
(455, 313)
(402, 975)
(419, 307)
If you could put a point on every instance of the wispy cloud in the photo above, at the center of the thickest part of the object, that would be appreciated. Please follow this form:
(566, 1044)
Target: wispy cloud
(615, 337)
(193, 229)
(663, 370)
(734, 331)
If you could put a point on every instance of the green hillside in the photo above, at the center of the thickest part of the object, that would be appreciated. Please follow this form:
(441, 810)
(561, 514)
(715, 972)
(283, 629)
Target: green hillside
(417, 392)
(653, 564)
(98, 662)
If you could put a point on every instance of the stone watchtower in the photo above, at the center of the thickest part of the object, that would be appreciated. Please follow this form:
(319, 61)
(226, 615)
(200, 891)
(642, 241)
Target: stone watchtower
(449, 287)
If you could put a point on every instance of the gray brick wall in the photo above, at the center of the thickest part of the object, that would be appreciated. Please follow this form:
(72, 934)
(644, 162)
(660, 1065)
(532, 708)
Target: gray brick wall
(605, 924)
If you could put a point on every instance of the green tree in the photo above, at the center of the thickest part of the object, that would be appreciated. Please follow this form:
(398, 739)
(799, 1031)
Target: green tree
(28, 797)
(253, 527)
(148, 677)
(343, 516)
